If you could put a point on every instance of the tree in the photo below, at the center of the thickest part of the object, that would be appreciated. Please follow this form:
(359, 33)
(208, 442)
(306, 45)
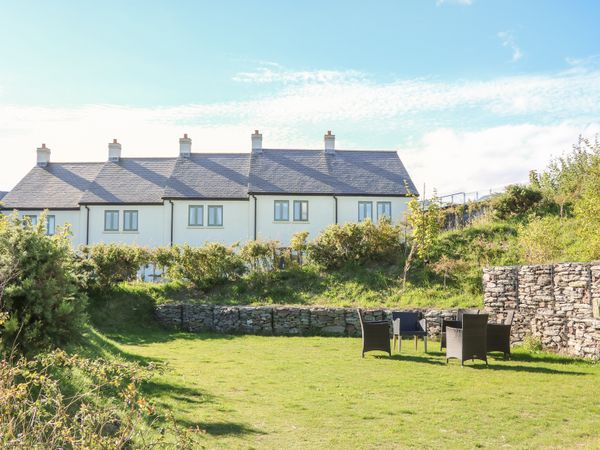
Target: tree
(516, 200)
(299, 244)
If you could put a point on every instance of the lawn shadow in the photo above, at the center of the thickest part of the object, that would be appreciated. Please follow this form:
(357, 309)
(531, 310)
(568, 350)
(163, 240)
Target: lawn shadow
(412, 358)
(180, 393)
(222, 428)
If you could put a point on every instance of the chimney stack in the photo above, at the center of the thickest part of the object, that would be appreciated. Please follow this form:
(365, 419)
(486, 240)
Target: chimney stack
(114, 151)
(329, 142)
(256, 142)
(43, 156)
(185, 146)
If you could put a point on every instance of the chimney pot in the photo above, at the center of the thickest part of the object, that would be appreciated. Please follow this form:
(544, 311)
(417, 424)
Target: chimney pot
(114, 151)
(43, 156)
(256, 142)
(329, 142)
(185, 146)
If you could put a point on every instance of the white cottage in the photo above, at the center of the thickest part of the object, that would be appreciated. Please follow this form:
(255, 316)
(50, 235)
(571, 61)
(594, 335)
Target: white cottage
(213, 197)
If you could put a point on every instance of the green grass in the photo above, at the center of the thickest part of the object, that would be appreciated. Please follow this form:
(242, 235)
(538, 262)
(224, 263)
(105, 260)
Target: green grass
(313, 392)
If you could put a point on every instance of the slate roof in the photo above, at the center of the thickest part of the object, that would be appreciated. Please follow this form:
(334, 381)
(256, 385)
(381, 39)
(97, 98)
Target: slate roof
(131, 180)
(346, 172)
(212, 175)
(2, 194)
(58, 185)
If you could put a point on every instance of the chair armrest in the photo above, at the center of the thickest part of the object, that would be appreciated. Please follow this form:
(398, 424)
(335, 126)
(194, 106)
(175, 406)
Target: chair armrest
(497, 328)
(397, 326)
(451, 323)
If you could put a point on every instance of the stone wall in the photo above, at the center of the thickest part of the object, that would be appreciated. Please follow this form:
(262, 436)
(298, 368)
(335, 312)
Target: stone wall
(559, 304)
(280, 320)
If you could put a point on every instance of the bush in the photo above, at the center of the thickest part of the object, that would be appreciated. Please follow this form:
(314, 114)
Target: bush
(516, 200)
(545, 240)
(43, 303)
(362, 242)
(206, 266)
(260, 255)
(109, 264)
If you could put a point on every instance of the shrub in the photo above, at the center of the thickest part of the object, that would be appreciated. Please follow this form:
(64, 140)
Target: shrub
(361, 242)
(260, 255)
(43, 302)
(516, 200)
(109, 264)
(545, 240)
(532, 344)
(206, 266)
(299, 244)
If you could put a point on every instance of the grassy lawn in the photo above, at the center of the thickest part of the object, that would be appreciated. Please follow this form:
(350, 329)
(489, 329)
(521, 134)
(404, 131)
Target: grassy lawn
(313, 392)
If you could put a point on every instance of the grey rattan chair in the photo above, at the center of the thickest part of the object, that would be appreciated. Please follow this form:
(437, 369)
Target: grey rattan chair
(470, 341)
(457, 323)
(375, 335)
(498, 335)
(409, 324)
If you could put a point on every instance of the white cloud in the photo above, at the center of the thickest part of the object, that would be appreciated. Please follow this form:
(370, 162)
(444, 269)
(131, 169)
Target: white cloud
(454, 2)
(426, 119)
(507, 39)
(274, 73)
(454, 161)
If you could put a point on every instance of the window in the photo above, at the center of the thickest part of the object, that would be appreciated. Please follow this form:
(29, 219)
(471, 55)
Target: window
(384, 209)
(111, 220)
(365, 211)
(32, 218)
(196, 216)
(282, 210)
(50, 225)
(130, 220)
(300, 210)
(215, 216)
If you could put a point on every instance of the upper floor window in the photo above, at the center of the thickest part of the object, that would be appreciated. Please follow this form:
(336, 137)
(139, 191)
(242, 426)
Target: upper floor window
(196, 216)
(384, 209)
(111, 220)
(365, 211)
(300, 210)
(130, 220)
(32, 218)
(50, 225)
(215, 216)
(282, 210)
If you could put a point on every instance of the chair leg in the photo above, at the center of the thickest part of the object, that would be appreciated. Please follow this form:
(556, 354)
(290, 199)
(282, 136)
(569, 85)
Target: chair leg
(416, 342)
(425, 342)
(393, 342)
(399, 343)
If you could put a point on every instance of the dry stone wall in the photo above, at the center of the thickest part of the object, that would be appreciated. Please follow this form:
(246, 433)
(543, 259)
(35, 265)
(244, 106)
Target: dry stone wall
(280, 320)
(558, 304)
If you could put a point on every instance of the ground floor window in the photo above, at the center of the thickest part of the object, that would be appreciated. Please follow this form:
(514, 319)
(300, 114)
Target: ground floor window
(32, 218)
(384, 209)
(365, 211)
(215, 216)
(282, 210)
(130, 220)
(111, 220)
(300, 210)
(196, 216)
(50, 225)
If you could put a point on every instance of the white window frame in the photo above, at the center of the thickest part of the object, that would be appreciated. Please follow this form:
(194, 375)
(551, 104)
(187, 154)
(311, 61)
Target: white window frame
(114, 213)
(212, 208)
(300, 203)
(381, 216)
(287, 210)
(200, 216)
(51, 225)
(131, 213)
(360, 211)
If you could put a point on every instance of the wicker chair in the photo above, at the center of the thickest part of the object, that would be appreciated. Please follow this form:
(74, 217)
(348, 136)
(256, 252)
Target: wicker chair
(457, 323)
(470, 341)
(408, 324)
(498, 335)
(375, 335)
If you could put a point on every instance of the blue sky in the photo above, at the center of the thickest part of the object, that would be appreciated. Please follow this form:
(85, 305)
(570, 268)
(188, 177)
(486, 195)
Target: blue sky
(482, 89)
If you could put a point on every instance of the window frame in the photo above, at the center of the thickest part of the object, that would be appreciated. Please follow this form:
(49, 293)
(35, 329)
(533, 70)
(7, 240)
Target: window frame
(361, 203)
(48, 224)
(208, 217)
(137, 220)
(385, 215)
(300, 202)
(281, 202)
(113, 213)
(201, 215)
(33, 219)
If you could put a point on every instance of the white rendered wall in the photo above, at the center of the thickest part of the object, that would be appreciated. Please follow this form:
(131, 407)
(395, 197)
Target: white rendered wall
(153, 222)
(321, 213)
(348, 207)
(72, 218)
(237, 223)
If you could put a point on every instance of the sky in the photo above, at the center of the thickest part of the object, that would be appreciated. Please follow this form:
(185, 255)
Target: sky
(472, 93)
